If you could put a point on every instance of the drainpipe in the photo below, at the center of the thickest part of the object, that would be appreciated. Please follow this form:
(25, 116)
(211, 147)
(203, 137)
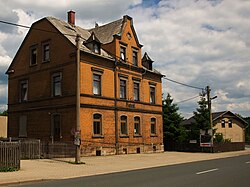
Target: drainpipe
(116, 110)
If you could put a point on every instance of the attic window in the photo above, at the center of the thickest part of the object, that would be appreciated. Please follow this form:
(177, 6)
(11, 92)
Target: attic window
(96, 48)
(230, 124)
(123, 53)
(33, 55)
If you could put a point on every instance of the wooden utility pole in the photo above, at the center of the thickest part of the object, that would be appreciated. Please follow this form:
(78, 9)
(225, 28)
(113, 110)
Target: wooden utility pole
(78, 128)
(210, 113)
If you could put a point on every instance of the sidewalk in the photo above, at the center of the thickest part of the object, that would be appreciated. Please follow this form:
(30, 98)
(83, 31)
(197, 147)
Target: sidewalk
(46, 169)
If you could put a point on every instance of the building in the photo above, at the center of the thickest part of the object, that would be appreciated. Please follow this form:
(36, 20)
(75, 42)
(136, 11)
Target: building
(3, 126)
(120, 92)
(229, 124)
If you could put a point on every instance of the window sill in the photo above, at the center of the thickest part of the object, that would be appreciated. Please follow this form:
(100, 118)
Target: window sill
(153, 135)
(97, 136)
(124, 136)
(33, 65)
(137, 136)
(45, 61)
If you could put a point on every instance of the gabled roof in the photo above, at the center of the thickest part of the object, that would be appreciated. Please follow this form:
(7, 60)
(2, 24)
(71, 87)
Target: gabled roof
(215, 116)
(105, 33)
(70, 33)
(146, 58)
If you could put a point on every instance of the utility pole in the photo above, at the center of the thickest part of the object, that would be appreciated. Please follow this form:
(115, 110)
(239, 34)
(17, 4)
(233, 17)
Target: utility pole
(78, 128)
(210, 113)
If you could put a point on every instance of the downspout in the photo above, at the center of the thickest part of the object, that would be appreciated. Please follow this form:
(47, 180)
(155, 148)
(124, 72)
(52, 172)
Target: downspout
(116, 110)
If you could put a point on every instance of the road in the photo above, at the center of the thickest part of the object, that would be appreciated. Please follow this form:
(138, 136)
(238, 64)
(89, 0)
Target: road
(229, 172)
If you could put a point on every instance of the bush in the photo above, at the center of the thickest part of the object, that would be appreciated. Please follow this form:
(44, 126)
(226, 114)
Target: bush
(218, 137)
(8, 169)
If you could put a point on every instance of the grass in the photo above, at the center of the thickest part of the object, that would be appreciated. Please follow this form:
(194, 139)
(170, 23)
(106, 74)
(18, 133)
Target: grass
(9, 169)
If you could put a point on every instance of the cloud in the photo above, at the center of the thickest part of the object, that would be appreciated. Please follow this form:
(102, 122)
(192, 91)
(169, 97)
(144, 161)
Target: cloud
(195, 42)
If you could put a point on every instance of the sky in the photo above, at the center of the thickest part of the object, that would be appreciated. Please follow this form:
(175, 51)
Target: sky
(196, 42)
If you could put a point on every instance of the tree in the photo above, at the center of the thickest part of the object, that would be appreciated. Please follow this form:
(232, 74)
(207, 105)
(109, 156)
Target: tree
(201, 116)
(173, 131)
(4, 113)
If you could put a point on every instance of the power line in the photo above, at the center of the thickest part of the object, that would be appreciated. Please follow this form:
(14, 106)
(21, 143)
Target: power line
(44, 30)
(187, 99)
(183, 84)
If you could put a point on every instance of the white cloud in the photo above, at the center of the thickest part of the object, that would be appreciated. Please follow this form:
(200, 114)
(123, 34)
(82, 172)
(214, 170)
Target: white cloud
(195, 42)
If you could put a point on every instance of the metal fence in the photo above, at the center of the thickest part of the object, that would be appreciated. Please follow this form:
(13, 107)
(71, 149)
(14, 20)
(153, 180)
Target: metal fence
(10, 154)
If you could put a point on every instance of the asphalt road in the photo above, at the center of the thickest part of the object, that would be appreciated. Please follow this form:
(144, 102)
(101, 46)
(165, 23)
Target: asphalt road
(227, 172)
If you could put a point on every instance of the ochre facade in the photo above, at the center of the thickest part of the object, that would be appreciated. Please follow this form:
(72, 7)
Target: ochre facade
(42, 90)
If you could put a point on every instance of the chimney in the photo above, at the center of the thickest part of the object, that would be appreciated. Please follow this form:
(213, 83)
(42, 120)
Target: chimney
(71, 18)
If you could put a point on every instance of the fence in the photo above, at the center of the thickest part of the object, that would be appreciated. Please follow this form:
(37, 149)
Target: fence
(217, 147)
(10, 155)
(30, 149)
(57, 149)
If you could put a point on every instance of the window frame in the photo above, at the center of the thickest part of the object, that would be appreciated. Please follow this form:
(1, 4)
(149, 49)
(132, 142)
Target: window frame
(135, 57)
(152, 98)
(46, 51)
(137, 126)
(54, 83)
(124, 125)
(99, 84)
(22, 132)
(53, 126)
(32, 49)
(230, 123)
(23, 97)
(123, 56)
(223, 123)
(124, 86)
(95, 121)
(153, 124)
(136, 91)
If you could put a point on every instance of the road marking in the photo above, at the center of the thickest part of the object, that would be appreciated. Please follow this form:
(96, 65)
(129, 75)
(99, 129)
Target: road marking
(248, 162)
(202, 172)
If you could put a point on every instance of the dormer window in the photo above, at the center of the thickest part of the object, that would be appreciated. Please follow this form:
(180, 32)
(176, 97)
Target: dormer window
(147, 62)
(93, 44)
(96, 48)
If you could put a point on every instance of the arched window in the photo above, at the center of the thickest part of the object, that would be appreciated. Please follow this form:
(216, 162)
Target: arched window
(137, 126)
(124, 125)
(153, 126)
(97, 124)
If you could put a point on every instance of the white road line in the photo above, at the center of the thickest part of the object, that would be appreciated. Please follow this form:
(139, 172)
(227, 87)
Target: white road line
(248, 162)
(202, 172)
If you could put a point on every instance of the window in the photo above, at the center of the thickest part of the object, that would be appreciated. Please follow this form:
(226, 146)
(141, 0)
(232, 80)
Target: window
(56, 84)
(137, 128)
(153, 126)
(46, 52)
(230, 125)
(56, 127)
(97, 124)
(223, 124)
(124, 126)
(135, 58)
(23, 126)
(152, 94)
(136, 91)
(123, 53)
(96, 84)
(96, 48)
(123, 89)
(33, 56)
(23, 90)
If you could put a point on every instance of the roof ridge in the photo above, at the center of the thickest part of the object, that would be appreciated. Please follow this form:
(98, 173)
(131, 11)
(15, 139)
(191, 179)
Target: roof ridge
(109, 23)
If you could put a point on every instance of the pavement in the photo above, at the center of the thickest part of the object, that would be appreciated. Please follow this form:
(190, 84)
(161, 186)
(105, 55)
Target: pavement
(53, 169)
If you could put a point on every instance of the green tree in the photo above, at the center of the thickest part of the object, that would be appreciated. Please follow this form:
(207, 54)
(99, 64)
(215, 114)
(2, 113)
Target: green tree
(172, 129)
(4, 113)
(201, 116)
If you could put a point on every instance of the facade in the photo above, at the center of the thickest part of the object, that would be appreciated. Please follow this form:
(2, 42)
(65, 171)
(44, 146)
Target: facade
(3, 126)
(230, 125)
(120, 92)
